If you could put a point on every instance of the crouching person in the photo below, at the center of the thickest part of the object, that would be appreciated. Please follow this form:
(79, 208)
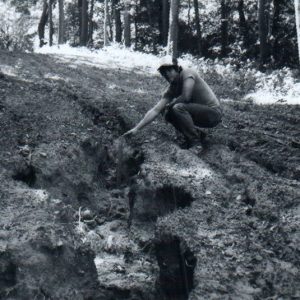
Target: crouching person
(188, 104)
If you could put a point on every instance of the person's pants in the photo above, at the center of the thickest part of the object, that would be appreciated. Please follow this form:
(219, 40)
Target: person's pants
(184, 117)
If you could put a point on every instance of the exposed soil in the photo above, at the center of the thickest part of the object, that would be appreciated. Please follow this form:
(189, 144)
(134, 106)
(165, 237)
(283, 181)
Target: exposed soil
(86, 214)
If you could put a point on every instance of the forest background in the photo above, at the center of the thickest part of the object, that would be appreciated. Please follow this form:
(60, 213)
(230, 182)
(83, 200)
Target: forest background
(71, 188)
(260, 33)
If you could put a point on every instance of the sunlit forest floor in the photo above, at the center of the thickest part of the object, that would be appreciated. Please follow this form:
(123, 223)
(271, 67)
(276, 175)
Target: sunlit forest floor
(86, 214)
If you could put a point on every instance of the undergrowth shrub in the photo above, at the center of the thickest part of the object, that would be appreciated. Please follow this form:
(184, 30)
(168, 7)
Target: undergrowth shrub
(14, 30)
(228, 77)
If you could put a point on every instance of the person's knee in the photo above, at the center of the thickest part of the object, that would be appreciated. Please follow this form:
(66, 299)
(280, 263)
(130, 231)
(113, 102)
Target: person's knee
(172, 111)
(175, 112)
(179, 107)
(215, 120)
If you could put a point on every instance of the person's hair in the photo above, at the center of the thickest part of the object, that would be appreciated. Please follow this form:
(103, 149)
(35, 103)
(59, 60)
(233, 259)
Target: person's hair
(162, 69)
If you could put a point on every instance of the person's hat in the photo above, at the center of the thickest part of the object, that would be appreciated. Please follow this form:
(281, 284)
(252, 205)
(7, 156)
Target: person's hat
(167, 63)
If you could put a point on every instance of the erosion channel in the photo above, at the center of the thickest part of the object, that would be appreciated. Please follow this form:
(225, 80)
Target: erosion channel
(87, 214)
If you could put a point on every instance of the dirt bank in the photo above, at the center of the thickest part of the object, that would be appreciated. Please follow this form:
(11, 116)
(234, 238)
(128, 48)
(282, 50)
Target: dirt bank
(85, 215)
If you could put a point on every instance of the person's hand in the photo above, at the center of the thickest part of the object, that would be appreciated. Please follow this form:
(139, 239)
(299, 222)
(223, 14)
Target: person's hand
(167, 107)
(171, 104)
(132, 131)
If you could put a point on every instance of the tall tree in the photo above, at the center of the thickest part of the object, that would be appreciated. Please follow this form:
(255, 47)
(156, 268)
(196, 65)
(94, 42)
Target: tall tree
(198, 27)
(297, 14)
(278, 6)
(243, 24)
(165, 22)
(263, 31)
(61, 27)
(79, 4)
(172, 48)
(117, 18)
(91, 23)
(84, 23)
(189, 14)
(151, 22)
(105, 39)
(224, 27)
(50, 22)
(42, 23)
(136, 27)
(127, 21)
(109, 21)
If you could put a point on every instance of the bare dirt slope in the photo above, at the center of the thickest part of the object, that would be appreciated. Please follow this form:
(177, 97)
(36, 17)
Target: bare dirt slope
(86, 215)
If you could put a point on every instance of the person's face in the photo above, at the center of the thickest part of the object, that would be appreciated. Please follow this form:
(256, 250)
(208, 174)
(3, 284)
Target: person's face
(171, 75)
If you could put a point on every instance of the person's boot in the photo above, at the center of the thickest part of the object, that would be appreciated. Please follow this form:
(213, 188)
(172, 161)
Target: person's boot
(189, 143)
(202, 135)
(199, 140)
(194, 143)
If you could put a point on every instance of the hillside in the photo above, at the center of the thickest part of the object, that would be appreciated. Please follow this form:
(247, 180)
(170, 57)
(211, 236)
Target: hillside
(86, 214)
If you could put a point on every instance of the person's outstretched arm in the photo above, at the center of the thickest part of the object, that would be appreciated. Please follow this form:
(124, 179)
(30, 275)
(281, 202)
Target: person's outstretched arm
(149, 116)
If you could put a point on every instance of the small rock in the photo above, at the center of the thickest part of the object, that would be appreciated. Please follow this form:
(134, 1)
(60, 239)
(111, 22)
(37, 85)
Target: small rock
(115, 225)
(24, 151)
(43, 154)
(56, 201)
(86, 214)
(258, 257)
(119, 269)
(59, 243)
(229, 252)
(100, 221)
(110, 243)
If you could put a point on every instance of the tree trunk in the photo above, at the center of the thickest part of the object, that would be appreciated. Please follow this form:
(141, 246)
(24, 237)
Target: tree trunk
(173, 30)
(110, 25)
(263, 31)
(91, 23)
(136, 27)
(224, 27)
(127, 32)
(198, 28)
(42, 24)
(105, 38)
(61, 27)
(276, 16)
(189, 14)
(278, 5)
(243, 24)
(297, 13)
(79, 3)
(50, 23)
(117, 18)
(165, 21)
(84, 23)
(152, 25)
